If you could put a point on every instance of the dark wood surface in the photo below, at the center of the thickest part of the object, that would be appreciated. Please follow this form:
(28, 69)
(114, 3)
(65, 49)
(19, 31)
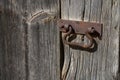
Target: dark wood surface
(12, 42)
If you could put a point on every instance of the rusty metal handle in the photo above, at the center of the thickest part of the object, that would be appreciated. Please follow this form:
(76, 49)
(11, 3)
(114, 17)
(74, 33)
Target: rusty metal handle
(90, 29)
(85, 46)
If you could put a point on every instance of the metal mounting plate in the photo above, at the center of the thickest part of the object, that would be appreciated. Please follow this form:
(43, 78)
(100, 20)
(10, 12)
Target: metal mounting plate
(80, 27)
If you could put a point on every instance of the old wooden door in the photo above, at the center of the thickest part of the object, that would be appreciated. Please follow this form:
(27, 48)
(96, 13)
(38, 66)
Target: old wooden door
(31, 47)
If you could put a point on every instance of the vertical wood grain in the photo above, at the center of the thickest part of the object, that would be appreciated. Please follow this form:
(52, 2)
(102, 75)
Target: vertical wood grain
(43, 40)
(102, 63)
(12, 40)
(29, 43)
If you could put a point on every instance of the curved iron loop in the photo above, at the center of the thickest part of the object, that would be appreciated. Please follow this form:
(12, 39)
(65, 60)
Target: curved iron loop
(85, 46)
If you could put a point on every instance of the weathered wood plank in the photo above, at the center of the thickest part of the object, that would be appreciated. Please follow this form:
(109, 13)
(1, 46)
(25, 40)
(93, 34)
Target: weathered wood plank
(43, 40)
(12, 41)
(26, 53)
(101, 63)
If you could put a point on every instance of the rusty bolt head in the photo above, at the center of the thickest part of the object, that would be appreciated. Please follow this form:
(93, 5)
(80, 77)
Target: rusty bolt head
(64, 28)
(91, 29)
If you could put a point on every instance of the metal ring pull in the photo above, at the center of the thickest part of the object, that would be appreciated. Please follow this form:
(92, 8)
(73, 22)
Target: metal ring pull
(85, 46)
